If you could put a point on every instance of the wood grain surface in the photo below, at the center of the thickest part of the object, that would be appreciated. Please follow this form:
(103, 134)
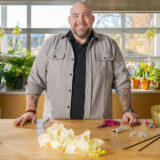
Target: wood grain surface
(20, 143)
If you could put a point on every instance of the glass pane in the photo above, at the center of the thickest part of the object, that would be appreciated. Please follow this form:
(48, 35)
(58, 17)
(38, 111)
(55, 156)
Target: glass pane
(10, 42)
(107, 21)
(50, 16)
(117, 38)
(139, 20)
(0, 15)
(138, 45)
(16, 14)
(157, 20)
(37, 40)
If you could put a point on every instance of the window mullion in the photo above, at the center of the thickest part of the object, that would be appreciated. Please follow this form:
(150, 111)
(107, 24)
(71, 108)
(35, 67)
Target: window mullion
(28, 27)
(123, 34)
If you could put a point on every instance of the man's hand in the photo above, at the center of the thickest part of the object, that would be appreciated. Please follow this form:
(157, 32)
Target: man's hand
(130, 117)
(27, 117)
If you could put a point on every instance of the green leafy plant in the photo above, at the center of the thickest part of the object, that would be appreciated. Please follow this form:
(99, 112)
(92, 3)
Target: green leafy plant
(14, 67)
(155, 76)
(144, 70)
(17, 68)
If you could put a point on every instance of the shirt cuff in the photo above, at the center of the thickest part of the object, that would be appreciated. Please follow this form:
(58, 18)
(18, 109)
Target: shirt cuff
(33, 88)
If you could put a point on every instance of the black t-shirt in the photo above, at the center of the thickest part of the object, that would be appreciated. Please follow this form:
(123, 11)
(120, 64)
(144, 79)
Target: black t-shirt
(79, 76)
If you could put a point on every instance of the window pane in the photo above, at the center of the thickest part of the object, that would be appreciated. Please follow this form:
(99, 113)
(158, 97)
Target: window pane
(107, 21)
(139, 20)
(0, 15)
(50, 16)
(37, 40)
(10, 42)
(138, 45)
(16, 15)
(117, 38)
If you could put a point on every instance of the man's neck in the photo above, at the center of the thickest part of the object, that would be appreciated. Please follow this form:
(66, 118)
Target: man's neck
(81, 40)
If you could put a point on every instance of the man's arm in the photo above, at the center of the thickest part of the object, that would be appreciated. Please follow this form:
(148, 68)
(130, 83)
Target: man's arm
(126, 102)
(32, 101)
(30, 115)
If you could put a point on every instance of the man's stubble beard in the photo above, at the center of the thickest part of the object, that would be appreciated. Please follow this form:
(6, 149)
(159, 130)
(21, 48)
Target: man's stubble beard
(81, 35)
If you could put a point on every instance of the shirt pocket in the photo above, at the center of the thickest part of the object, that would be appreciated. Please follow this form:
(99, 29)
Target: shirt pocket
(56, 61)
(105, 64)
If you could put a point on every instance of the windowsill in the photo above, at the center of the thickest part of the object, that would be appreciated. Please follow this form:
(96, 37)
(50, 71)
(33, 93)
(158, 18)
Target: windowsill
(6, 90)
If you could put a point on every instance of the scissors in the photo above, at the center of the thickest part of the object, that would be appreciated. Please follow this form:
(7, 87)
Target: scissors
(109, 123)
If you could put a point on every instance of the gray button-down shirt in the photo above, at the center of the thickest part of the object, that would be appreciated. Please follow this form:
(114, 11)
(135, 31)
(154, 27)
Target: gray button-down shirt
(52, 71)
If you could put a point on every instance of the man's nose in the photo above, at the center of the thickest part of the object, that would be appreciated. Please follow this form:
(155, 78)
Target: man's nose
(81, 18)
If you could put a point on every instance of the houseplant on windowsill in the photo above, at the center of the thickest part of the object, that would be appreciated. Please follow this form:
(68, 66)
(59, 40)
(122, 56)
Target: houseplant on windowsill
(144, 74)
(17, 67)
(17, 71)
(155, 77)
(135, 81)
(132, 68)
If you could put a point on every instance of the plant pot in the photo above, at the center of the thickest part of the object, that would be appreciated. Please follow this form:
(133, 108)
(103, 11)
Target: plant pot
(135, 83)
(145, 84)
(19, 84)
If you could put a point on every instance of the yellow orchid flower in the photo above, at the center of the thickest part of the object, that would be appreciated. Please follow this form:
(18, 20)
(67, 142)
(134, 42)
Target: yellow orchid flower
(16, 30)
(2, 32)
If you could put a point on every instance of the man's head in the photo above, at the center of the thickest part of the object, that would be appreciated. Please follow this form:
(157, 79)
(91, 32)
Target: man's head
(81, 20)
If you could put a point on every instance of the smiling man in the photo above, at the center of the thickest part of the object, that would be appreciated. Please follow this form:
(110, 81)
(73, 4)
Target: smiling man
(78, 71)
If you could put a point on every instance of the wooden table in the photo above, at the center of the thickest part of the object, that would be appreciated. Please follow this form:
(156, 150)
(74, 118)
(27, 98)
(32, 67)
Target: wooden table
(20, 143)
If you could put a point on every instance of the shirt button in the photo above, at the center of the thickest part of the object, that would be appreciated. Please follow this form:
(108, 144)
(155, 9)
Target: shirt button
(72, 59)
(68, 107)
(105, 58)
(69, 90)
(54, 56)
(70, 74)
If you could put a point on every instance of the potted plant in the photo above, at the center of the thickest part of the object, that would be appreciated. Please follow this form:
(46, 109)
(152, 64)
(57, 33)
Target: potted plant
(17, 71)
(135, 81)
(144, 74)
(16, 67)
(132, 68)
(155, 77)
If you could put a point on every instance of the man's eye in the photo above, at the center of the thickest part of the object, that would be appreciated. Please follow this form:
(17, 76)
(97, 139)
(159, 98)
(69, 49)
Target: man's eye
(86, 15)
(75, 16)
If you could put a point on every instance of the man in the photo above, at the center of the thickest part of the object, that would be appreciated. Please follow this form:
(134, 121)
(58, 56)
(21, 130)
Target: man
(78, 71)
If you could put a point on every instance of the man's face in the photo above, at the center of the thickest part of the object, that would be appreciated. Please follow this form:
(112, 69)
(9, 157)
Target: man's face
(81, 20)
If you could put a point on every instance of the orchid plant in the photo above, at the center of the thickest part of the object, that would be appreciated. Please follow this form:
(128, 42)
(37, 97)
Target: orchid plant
(150, 34)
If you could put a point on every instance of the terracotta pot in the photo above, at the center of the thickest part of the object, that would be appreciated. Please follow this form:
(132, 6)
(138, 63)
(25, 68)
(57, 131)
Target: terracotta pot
(145, 84)
(135, 83)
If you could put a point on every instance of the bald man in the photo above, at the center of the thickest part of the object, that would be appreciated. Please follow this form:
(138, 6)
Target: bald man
(78, 71)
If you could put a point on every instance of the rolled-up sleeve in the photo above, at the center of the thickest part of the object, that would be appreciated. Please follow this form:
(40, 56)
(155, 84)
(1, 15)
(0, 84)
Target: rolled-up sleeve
(36, 82)
(121, 75)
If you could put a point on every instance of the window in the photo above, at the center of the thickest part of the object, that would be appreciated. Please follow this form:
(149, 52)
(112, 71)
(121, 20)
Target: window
(37, 40)
(16, 15)
(50, 16)
(128, 29)
(42, 20)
